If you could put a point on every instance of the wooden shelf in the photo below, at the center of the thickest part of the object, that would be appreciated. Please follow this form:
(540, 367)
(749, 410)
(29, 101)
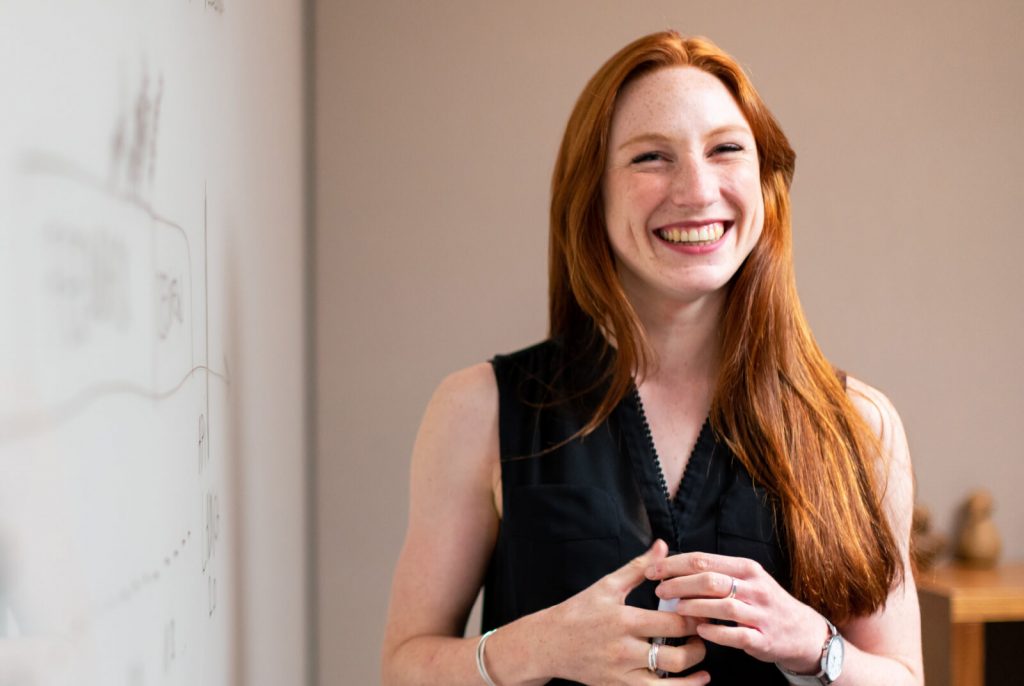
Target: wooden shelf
(956, 603)
(979, 595)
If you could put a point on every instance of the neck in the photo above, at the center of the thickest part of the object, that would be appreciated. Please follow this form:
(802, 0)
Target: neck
(685, 337)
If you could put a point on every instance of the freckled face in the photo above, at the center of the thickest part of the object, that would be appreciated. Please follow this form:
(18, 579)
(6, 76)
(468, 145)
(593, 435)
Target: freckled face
(682, 186)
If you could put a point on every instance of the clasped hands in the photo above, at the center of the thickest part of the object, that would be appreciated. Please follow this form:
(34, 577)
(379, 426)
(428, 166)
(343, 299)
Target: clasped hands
(600, 640)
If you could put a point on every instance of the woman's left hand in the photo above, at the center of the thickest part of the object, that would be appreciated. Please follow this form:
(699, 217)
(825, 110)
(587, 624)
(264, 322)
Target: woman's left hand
(771, 625)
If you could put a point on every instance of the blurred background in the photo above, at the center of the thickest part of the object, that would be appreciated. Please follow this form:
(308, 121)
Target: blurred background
(436, 127)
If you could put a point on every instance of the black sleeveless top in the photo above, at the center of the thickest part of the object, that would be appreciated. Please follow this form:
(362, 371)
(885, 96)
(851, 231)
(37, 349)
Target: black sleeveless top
(576, 512)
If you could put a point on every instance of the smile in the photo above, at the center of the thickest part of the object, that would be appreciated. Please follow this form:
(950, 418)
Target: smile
(704, 235)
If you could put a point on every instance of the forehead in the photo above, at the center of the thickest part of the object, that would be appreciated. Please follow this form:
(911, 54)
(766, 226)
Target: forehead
(675, 100)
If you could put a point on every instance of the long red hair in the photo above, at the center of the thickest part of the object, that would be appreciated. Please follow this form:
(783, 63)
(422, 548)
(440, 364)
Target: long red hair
(778, 403)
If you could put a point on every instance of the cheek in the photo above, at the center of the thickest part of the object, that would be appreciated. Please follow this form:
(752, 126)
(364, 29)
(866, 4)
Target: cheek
(644, 190)
(746, 191)
(629, 203)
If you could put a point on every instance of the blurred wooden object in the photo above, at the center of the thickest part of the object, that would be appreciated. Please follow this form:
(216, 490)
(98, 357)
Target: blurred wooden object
(977, 541)
(956, 603)
(926, 545)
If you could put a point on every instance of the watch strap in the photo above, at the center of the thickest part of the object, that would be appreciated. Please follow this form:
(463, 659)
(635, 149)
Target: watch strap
(801, 679)
(819, 679)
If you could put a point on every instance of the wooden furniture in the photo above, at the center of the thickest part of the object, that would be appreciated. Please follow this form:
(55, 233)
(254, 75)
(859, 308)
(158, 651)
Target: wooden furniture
(956, 603)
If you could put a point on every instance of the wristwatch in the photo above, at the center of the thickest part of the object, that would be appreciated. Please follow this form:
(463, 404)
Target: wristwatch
(831, 662)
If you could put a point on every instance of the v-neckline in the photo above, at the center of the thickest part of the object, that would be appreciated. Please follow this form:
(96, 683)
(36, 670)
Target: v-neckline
(670, 515)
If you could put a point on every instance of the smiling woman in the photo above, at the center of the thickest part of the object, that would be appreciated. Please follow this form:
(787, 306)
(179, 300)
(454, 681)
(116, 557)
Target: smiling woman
(678, 443)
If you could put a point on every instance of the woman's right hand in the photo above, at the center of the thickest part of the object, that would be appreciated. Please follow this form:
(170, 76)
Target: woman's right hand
(598, 639)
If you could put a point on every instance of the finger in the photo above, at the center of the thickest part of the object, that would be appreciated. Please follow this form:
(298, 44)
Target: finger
(703, 585)
(741, 637)
(679, 658)
(630, 575)
(719, 608)
(642, 676)
(686, 564)
(696, 679)
(654, 624)
(690, 624)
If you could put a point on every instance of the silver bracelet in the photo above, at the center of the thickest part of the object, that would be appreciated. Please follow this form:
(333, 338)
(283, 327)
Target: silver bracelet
(480, 658)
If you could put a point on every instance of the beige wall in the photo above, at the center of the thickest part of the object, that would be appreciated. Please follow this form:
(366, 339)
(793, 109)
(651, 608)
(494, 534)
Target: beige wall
(436, 126)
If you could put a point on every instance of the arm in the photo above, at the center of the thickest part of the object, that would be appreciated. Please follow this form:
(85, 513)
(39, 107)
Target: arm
(452, 529)
(884, 648)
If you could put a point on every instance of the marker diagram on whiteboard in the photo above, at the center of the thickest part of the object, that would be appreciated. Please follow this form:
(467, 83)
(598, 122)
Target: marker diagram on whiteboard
(116, 468)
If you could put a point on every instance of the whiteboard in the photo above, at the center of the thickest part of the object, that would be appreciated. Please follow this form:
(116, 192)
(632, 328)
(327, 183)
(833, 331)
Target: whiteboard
(126, 142)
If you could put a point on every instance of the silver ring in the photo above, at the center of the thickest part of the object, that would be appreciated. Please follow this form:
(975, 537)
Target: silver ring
(652, 657)
(732, 591)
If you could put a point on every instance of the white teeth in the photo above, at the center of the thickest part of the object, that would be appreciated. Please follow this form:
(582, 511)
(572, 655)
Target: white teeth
(703, 235)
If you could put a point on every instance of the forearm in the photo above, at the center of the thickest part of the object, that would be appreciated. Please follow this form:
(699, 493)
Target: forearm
(515, 656)
(861, 668)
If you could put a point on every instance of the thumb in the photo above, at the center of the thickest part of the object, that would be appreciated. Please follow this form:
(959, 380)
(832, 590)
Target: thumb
(630, 575)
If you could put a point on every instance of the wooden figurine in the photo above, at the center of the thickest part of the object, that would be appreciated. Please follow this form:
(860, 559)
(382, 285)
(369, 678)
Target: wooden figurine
(977, 542)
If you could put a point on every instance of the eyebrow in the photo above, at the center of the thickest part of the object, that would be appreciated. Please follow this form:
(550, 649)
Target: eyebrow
(661, 138)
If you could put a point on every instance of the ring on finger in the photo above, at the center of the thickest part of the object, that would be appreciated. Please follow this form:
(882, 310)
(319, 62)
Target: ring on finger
(732, 590)
(652, 656)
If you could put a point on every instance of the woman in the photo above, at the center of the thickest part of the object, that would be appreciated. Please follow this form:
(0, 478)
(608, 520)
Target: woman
(679, 442)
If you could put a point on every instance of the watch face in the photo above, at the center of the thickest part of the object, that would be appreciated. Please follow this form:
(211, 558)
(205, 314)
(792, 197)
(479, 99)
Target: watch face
(834, 659)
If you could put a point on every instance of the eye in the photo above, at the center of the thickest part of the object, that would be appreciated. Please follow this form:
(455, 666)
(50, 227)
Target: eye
(648, 157)
(726, 148)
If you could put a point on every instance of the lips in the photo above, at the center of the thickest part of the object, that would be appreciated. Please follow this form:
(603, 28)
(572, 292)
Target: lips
(703, 234)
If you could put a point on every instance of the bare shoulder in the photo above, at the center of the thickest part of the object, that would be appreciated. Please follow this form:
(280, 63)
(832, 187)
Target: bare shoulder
(472, 390)
(874, 407)
(450, 495)
(459, 432)
(878, 411)
(896, 470)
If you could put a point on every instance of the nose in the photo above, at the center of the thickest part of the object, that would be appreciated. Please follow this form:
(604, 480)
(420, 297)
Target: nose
(694, 183)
